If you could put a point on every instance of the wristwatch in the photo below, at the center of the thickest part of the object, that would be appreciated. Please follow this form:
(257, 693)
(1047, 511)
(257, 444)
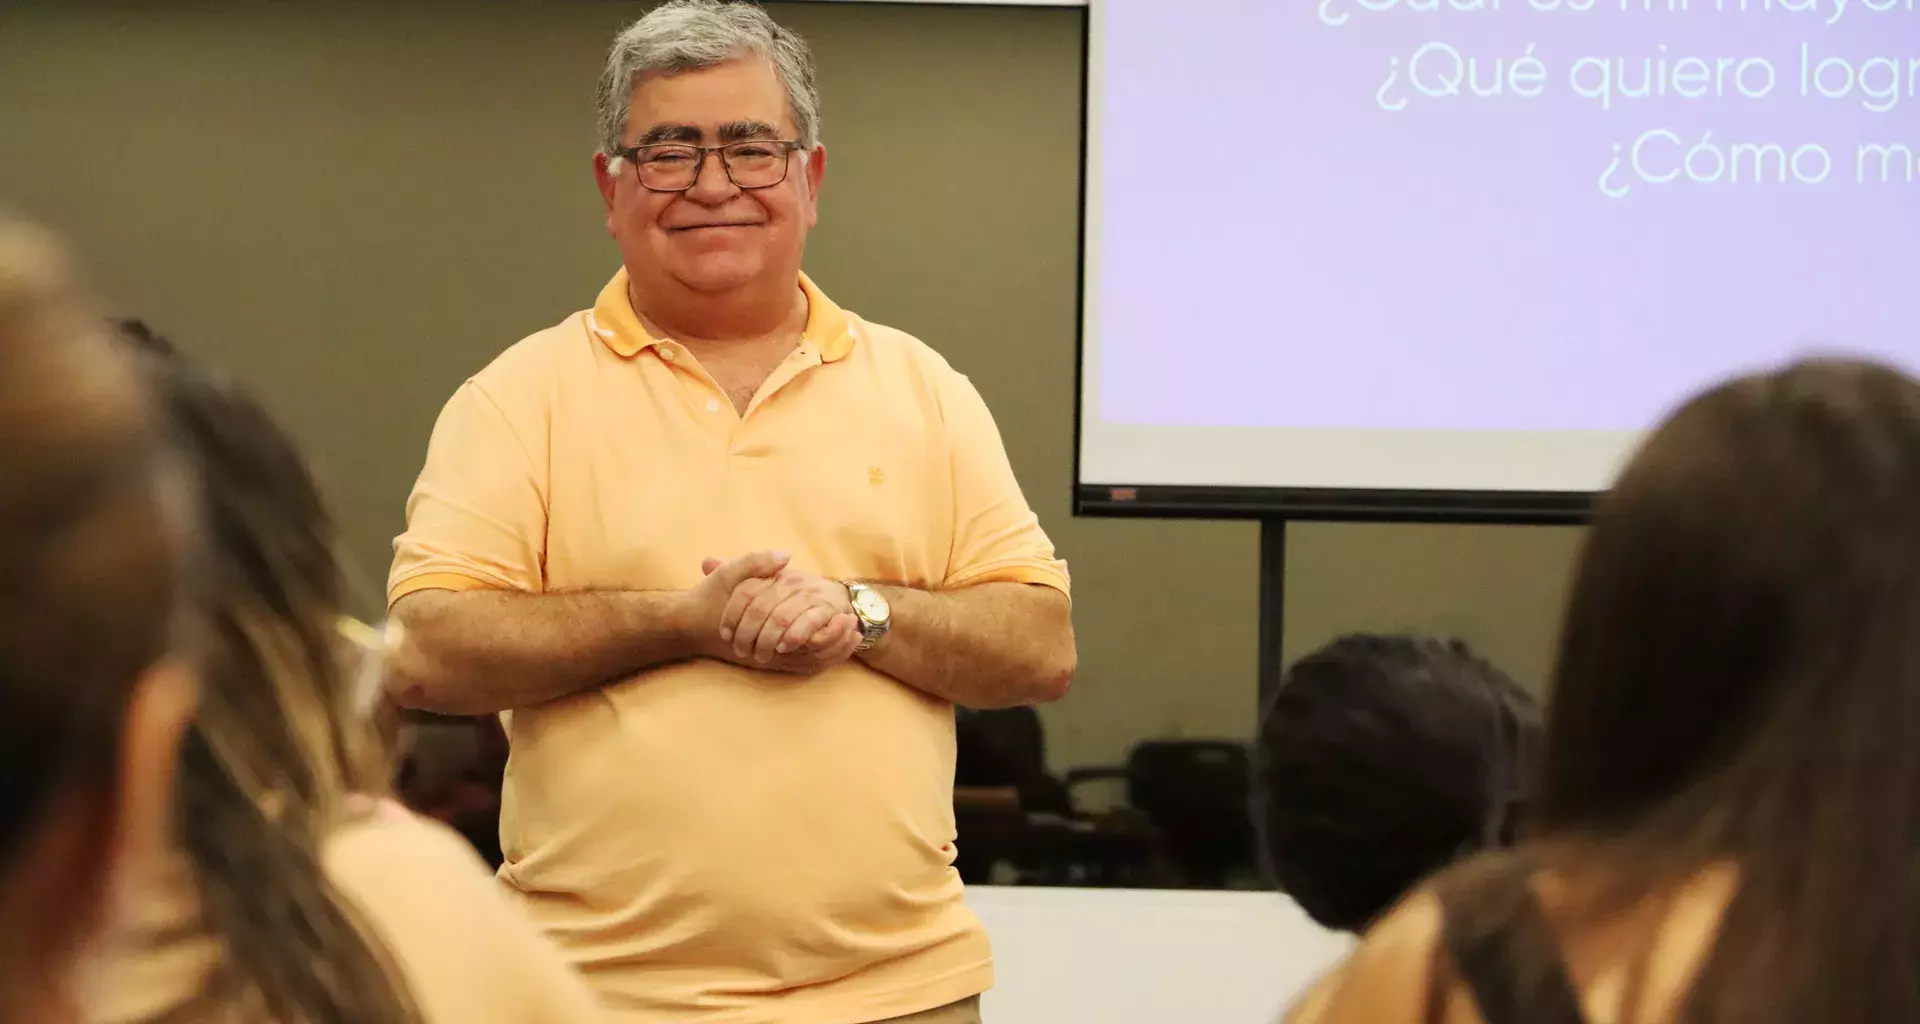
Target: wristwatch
(875, 615)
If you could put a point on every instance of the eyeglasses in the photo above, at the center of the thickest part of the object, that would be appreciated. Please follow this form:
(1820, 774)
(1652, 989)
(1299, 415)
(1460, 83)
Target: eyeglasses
(759, 163)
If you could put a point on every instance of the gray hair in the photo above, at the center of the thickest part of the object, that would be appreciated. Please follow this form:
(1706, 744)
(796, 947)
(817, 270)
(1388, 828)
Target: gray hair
(685, 35)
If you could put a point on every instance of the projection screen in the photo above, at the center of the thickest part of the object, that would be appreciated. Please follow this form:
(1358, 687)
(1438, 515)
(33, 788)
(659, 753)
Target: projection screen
(1429, 258)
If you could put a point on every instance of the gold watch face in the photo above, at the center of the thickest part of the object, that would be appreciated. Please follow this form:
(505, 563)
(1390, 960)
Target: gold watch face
(870, 606)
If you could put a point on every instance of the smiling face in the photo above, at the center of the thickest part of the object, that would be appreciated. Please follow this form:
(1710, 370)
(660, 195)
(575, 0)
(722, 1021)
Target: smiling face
(714, 237)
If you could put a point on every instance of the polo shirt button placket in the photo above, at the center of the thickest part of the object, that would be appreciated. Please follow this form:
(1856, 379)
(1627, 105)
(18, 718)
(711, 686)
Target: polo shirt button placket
(666, 351)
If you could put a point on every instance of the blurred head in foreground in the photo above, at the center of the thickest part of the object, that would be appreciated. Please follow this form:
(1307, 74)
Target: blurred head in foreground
(283, 750)
(1739, 683)
(1382, 759)
(92, 696)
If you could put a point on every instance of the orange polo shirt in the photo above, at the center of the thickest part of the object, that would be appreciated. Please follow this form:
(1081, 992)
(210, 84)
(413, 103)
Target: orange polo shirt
(711, 843)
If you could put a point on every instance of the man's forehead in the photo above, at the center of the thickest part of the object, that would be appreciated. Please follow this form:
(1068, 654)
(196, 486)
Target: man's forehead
(737, 92)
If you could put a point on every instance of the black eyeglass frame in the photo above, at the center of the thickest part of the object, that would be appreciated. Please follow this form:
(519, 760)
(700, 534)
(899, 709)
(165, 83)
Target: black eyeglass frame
(631, 154)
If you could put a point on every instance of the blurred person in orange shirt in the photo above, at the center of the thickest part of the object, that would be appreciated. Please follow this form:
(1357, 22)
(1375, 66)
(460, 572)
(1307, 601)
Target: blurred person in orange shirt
(289, 889)
(1726, 822)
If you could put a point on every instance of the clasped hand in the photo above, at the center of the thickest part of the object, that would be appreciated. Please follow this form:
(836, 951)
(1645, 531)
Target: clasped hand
(768, 615)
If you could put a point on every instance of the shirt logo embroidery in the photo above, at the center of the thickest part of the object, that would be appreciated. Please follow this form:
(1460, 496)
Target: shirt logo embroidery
(876, 476)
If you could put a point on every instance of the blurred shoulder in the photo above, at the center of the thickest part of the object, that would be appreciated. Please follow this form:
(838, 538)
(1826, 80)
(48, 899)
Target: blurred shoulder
(387, 842)
(1388, 976)
(468, 955)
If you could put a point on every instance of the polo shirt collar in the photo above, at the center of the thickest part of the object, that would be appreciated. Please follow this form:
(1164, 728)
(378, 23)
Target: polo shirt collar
(614, 322)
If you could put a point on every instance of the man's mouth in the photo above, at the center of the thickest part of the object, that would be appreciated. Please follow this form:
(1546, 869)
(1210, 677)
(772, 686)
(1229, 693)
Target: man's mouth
(722, 224)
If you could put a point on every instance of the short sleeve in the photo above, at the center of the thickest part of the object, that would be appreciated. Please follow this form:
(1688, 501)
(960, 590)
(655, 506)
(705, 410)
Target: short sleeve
(467, 955)
(477, 517)
(996, 536)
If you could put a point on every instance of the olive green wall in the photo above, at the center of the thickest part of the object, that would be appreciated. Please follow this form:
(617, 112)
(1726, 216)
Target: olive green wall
(352, 206)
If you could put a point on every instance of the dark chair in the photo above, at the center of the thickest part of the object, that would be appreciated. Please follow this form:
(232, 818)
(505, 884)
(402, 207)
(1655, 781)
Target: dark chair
(1007, 748)
(997, 752)
(1197, 793)
(1010, 811)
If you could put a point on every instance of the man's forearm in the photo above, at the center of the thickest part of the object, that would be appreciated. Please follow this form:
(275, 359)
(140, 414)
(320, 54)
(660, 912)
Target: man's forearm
(482, 651)
(994, 645)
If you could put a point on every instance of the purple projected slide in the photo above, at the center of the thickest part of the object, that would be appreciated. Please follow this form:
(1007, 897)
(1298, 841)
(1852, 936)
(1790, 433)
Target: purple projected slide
(1496, 214)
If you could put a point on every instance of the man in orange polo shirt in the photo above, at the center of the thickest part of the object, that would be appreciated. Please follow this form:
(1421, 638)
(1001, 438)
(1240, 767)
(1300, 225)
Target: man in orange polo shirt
(728, 555)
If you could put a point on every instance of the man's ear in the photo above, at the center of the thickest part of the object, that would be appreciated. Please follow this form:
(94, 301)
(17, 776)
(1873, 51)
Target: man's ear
(816, 178)
(606, 177)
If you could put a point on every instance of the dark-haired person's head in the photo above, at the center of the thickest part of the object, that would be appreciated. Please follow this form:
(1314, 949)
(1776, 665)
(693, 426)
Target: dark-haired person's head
(282, 751)
(1382, 759)
(92, 697)
(1739, 683)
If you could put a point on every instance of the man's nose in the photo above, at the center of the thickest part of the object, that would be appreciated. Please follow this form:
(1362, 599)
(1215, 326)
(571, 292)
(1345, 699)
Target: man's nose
(711, 185)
